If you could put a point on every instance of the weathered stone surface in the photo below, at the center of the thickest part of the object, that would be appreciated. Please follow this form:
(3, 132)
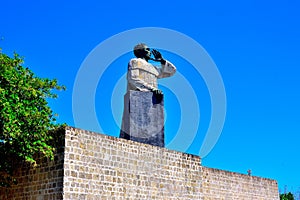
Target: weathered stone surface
(143, 118)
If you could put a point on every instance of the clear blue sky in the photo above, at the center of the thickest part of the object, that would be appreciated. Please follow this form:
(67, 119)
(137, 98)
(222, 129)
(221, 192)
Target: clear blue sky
(254, 44)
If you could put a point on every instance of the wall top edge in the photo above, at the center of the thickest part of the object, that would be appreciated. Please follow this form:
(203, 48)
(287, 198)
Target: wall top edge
(116, 139)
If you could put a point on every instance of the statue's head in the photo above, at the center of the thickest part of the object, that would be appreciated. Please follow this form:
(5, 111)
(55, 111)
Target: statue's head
(141, 50)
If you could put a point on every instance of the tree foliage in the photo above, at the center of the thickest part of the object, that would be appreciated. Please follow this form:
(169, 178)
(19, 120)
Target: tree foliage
(25, 116)
(287, 196)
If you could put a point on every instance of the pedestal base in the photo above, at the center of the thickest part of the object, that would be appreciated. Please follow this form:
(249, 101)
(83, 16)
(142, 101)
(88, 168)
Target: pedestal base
(143, 118)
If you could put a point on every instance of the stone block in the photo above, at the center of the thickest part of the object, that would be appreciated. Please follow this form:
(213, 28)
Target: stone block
(143, 118)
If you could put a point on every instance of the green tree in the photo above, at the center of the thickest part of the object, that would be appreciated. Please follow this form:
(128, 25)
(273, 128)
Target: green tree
(287, 196)
(27, 123)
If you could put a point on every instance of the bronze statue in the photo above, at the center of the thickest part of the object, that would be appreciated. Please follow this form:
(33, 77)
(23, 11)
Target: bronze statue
(142, 75)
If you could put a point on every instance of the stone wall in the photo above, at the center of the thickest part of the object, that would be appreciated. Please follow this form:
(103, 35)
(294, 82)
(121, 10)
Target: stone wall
(43, 182)
(96, 166)
(103, 167)
(220, 184)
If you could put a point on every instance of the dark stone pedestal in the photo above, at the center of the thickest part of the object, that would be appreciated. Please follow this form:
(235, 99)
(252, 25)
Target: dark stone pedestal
(143, 118)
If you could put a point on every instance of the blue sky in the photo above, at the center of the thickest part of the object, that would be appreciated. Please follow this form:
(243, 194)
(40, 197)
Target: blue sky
(254, 44)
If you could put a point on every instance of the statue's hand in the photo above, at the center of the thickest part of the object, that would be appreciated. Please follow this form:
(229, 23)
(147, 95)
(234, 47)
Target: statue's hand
(158, 94)
(158, 57)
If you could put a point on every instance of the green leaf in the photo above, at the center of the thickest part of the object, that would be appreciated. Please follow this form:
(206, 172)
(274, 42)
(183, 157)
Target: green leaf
(26, 121)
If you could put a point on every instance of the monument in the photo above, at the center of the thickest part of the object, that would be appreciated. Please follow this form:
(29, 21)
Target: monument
(143, 116)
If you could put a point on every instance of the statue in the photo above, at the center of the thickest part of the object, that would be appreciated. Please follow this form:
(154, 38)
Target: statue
(142, 76)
